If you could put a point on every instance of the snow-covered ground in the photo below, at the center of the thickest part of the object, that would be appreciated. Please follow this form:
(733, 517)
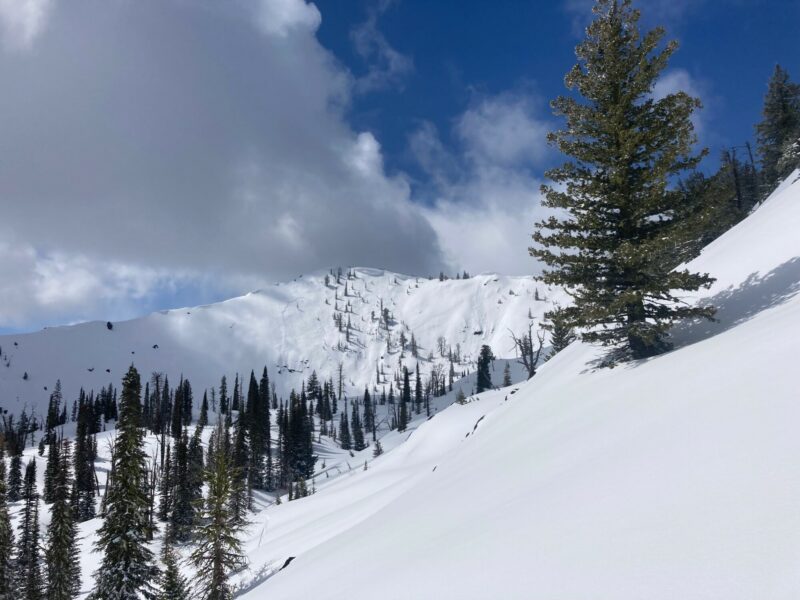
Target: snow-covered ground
(288, 327)
(677, 477)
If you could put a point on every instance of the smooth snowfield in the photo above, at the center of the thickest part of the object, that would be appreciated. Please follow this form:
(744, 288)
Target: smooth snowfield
(677, 477)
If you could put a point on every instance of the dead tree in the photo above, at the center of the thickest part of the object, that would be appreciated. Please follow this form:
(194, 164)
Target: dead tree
(528, 351)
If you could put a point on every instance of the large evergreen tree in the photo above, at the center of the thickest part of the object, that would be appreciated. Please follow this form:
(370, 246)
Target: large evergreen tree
(218, 552)
(85, 451)
(61, 554)
(780, 128)
(484, 376)
(7, 583)
(29, 567)
(127, 570)
(615, 251)
(182, 516)
(15, 477)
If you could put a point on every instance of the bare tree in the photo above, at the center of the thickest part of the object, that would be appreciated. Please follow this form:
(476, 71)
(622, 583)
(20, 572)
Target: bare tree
(528, 351)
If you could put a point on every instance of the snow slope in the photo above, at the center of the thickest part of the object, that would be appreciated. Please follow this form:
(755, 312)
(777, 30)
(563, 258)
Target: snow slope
(288, 327)
(676, 477)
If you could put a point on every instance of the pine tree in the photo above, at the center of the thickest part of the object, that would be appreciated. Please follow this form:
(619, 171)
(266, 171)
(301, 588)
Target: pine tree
(51, 469)
(223, 395)
(63, 567)
(484, 378)
(202, 421)
(357, 429)
(561, 333)
(344, 431)
(369, 414)
(7, 580)
(28, 567)
(417, 391)
(507, 375)
(166, 487)
(127, 571)
(15, 478)
(173, 585)
(182, 516)
(405, 400)
(240, 459)
(218, 552)
(779, 129)
(617, 244)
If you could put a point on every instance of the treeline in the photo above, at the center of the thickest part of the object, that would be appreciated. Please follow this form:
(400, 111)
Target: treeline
(192, 488)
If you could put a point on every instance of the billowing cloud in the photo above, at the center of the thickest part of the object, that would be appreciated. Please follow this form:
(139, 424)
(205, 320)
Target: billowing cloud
(503, 130)
(151, 145)
(485, 194)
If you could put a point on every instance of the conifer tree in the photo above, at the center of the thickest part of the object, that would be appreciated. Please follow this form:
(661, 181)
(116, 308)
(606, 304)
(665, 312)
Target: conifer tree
(357, 429)
(241, 462)
(218, 552)
(484, 377)
(51, 468)
(561, 333)
(507, 375)
(369, 414)
(405, 400)
(417, 391)
(616, 247)
(28, 567)
(63, 567)
(127, 571)
(173, 585)
(7, 579)
(223, 395)
(779, 129)
(166, 487)
(15, 478)
(202, 421)
(344, 431)
(182, 516)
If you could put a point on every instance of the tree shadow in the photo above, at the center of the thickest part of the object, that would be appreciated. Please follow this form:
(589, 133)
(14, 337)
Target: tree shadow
(736, 305)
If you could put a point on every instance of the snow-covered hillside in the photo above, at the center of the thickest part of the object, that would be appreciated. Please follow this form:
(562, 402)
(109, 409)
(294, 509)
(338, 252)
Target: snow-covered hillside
(677, 477)
(289, 327)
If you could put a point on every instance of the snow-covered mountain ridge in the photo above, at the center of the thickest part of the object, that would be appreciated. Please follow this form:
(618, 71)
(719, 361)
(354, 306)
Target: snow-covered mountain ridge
(289, 327)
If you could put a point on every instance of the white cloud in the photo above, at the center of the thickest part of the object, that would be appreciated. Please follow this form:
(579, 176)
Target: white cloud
(21, 21)
(486, 198)
(503, 130)
(281, 17)
(387, 68)
(149, 147)
(679, 80)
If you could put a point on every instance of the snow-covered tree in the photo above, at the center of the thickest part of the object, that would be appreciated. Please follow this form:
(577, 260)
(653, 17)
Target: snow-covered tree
(127, 570)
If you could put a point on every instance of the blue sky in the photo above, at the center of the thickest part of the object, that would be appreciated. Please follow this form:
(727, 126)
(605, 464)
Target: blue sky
(160, 154)
(462, 49)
